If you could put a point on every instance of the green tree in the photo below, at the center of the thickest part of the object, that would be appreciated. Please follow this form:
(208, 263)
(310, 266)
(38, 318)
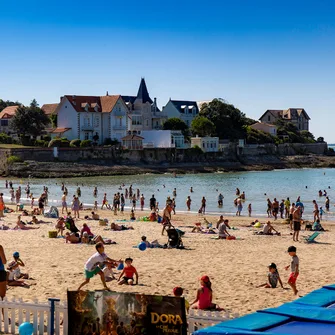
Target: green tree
(4, 104)
(175, 124)
(229, 121)
(202, 126)
(29, 121)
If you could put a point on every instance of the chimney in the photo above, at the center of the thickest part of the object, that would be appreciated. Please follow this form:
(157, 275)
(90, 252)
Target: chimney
(155, 102)
(107, 94)
(74, 99)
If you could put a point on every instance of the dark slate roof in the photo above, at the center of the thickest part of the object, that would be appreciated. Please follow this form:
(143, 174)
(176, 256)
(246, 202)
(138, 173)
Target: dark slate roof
(128, 98)
(179, 103)
(143, 92)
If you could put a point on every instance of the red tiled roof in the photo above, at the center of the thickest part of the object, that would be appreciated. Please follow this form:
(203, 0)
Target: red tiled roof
(8, 112)
(50, 109)
(79, 102)
(59, 130)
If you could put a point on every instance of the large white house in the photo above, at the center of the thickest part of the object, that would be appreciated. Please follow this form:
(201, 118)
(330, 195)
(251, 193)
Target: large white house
(185, 110)
(84, 117)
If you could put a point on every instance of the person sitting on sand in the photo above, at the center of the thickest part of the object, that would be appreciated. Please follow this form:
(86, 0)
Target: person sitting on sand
(204, 296)
(222, 227)
(153, 244)
(86, 239)
(128, 273)
(108, 272)
(60, 226)
(268, 229)
(116, 227)
(69, 223)
(95, 216)
(72, 238)
(273, 277)
(153, 216)
(21, 225)
(18, 260)
(317, 226)
(178, 292)
(13, 278)
(86, 229)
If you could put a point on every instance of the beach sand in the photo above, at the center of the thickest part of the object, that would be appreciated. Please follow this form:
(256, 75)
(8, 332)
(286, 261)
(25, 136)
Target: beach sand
(235, 267)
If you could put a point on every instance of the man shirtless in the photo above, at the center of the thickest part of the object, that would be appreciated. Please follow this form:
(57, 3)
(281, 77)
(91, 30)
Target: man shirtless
(296, 223)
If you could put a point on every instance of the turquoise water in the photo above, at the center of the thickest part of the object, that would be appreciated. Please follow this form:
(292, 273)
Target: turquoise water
(258, 186)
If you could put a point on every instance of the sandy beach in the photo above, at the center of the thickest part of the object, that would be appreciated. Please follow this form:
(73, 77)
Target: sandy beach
(235, 267)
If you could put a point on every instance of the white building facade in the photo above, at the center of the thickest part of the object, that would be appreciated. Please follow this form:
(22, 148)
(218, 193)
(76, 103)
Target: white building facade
(88, 117)
(162, 139)
(207, 144)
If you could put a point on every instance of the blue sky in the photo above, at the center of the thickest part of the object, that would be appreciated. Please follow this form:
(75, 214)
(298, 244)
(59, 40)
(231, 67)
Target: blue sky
(256, 54)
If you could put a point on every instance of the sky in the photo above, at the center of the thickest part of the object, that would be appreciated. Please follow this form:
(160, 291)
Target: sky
(255, 54)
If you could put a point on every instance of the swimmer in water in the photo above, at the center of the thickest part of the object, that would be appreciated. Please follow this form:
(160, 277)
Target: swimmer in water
(191, 189)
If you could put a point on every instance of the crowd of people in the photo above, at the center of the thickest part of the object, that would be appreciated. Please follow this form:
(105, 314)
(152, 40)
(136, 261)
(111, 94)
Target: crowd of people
(100, 264)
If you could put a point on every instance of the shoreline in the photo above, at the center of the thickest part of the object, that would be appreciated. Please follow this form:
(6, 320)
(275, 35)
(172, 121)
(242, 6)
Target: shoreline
(102, 168)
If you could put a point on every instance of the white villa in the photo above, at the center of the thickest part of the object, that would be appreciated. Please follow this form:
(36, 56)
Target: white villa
(110, 116)
(83, 117)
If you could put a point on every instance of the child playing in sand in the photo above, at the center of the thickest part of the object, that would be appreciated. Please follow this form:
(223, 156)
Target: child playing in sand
(178, 292)
(128, 273)
(94, 265)
(108, 272)
(292, 251)
(205, 295)
(273, 277)
(132, 215)
(60, 226)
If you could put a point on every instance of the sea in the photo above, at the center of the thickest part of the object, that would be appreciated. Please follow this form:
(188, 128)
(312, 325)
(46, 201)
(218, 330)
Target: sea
(258, 186)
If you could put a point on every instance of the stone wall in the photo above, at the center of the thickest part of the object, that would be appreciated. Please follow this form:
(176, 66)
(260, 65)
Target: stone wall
(113, 155)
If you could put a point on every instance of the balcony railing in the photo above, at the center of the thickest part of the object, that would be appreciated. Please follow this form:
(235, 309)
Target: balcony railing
(87, 128)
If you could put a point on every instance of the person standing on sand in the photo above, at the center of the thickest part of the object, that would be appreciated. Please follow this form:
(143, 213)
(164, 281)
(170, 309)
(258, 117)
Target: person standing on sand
(292, 209)
(239, 206)
(2, 205)
(287, 205)
(275, 208)
(64, 204)
(94, 265)
(292, 251)
(269, 208)
(296, 223)
(316, 211)
(3, 274)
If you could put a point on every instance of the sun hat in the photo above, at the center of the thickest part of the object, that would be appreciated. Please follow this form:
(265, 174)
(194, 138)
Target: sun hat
(205, 279)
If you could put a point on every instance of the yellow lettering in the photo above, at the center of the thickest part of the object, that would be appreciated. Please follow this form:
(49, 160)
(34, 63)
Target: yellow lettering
(154, 318)
(166, 318)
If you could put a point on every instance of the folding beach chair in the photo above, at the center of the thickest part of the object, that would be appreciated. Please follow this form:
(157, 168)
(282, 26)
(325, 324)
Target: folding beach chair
(311, 238)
